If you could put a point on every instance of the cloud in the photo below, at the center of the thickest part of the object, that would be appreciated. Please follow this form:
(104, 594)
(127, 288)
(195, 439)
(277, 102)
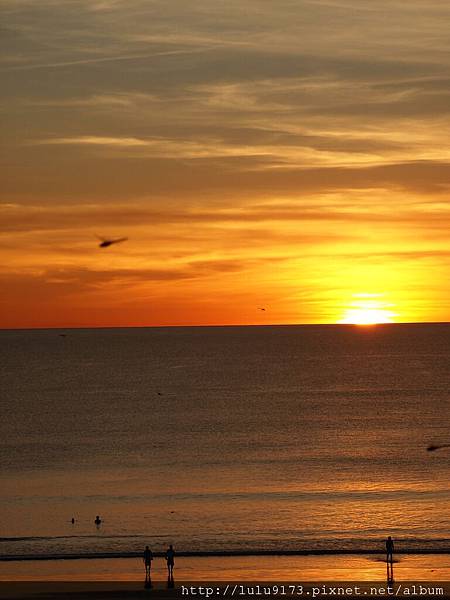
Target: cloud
(300, 85)
(98, 59)
(70, 279)
(345, 209)
(215, 135)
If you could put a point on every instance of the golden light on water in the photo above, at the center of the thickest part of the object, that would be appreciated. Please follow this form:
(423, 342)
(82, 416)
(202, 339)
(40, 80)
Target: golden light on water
(368, 309)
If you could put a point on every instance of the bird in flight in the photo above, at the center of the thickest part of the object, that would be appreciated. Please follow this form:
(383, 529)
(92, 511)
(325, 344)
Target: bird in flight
(260, 308)
(104, 242)
(437, 447)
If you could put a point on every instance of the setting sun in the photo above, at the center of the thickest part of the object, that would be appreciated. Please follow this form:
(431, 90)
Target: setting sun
(368, 310)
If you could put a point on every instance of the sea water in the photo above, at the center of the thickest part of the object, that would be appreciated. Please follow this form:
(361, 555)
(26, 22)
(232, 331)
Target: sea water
(224, 439)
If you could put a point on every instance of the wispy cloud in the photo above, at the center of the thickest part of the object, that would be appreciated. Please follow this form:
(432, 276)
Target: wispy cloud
(98, 59)
(347, 208)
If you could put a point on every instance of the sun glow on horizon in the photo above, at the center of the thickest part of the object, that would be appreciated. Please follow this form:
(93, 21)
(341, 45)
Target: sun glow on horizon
(366, 309)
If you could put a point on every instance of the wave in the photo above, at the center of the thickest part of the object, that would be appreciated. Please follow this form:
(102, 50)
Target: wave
(79, 537)
(225, 553)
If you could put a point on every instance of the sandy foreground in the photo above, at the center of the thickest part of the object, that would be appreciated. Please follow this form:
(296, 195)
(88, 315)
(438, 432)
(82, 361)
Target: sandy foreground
(322, 577)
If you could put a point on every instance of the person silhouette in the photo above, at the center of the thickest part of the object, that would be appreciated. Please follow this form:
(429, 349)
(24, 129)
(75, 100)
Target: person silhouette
(98, 521)
(390, 559)
(389, 550)
(170, 558)
(147, 560)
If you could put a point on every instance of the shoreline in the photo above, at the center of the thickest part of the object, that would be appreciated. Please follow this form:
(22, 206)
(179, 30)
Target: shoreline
(223, 553)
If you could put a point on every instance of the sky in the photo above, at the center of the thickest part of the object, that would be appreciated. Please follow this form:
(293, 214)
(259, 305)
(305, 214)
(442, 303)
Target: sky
(290, 155)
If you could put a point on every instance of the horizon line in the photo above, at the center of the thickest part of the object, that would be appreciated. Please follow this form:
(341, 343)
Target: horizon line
(355, 325)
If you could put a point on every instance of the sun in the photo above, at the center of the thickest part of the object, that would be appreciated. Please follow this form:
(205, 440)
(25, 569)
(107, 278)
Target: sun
(367, 309)
(366, 316)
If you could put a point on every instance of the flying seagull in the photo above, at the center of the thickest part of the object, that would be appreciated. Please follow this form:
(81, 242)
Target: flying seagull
(437, 447)
(106, 242)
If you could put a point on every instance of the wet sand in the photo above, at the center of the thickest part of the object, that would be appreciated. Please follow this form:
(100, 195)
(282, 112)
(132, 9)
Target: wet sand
(124, 578)
(370, 567)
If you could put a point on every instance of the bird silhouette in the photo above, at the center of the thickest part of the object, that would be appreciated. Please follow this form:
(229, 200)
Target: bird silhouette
(104, 242)
(434, 447)
(260, 308)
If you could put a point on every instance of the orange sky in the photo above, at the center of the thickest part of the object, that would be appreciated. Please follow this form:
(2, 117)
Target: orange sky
(286, 155)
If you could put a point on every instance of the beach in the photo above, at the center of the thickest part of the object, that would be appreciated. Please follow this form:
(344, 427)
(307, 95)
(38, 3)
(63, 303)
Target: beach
(347, 567)
(124, 578)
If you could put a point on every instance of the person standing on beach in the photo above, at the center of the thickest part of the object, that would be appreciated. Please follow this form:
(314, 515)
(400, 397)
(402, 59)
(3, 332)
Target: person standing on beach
(390, 560)
(389, 550)
(170, 558)
(147, 560)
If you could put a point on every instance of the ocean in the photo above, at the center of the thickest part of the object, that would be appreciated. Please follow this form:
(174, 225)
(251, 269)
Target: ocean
(224, 439)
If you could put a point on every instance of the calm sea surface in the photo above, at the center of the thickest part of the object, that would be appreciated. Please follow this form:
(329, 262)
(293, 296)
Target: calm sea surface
(234, 438)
